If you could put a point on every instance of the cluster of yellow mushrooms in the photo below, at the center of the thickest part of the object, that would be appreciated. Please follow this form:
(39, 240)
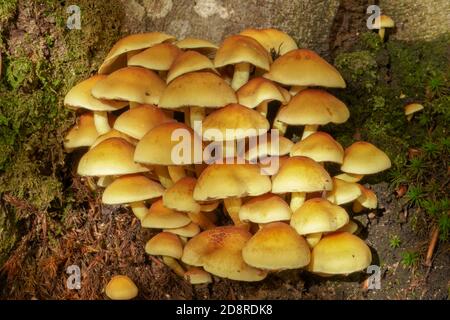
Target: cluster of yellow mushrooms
(287, 218)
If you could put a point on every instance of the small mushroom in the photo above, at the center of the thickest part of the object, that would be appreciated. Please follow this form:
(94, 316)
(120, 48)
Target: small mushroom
(189, 61)
(197, 90)
(113, 156)
(339, 253)
(170, 247)
(197, 276)
(367, 199)
(82, 134)
(219, 251)
(121, 287)
(364, 158)
(276, 246)
(133, 189)
(412, 108)
(242, 52)
(311, 108)
(117, 56)
(343, 192)
(265, 209)
(384, 22)
(160, 217)
(231, 182)
(300, 175)
(320, 147)
(80, 97)
(134, 84)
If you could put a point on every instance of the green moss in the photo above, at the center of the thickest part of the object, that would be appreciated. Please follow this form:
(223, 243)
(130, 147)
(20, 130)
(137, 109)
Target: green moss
(33, 120)
(7, 10)
(18, 72)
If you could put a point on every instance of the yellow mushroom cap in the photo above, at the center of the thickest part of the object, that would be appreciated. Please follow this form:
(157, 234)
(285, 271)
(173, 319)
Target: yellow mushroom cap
(82, 134)
(264, 209)
(304, 67)
(264, 148)
(160, 217)
(413, 108)
(165, 244)
(384, 21)
(349, 177)
(80, 97)
(350, 227)
(219, 251)
(114, 134)
(159, 145)
(121, 288)
(113, 156)
(131, 188)
(220, 181)
(190, 230)
(200, 89)
(159, 57)
(318, 215)
(276, 246)
(237, 49)
(320, 147)
(368, 198)
(197, 276)
(189, 61)
(180, 196)
(130, 84)
(131, 43)
(364, 158)
(194, 43)
(272, 39)
(340, 253)
(343, 191)
(234, 122)
(259, 90)
(301, 174)
(313, 106)
(137, 121)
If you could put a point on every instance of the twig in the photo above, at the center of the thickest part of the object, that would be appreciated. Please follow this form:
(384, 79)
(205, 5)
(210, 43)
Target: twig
(434, 239)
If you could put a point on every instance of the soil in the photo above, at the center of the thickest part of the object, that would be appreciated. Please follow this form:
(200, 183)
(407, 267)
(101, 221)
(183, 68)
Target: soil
(108, 240)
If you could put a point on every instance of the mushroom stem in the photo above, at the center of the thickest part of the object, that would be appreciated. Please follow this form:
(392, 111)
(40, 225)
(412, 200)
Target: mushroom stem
(187, 116)
(104, 181)
(241, 75)
(263, 108)
(176, 173)
(101, 122)
(309, 130)
(281, 126)
(174, 265)
(233, 205)
(139, 209)
(381, 32)
(313, 239)
(163, 176)
(296, 89)
(409, 117)
(202, 220)
(357, 207)
(196, 114)
(297, 200)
